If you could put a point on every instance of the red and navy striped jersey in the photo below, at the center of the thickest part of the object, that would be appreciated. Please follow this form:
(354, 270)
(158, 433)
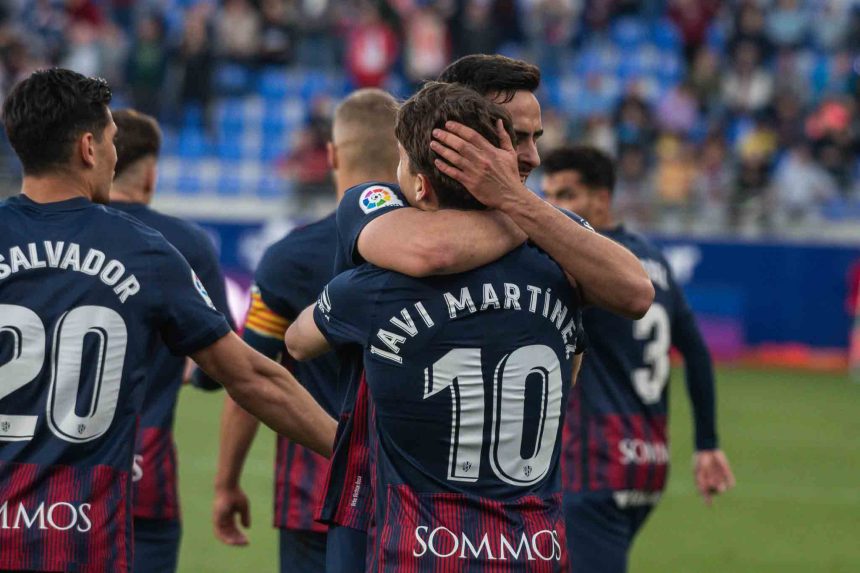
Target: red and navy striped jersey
(348, 496)
(289, 277)
(87, 294)
(156, 489)
(469, 376)
(616, 435)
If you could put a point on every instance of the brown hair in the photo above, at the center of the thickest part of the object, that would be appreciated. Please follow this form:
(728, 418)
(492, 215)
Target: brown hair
(137, 136)
(429, 109)
(363, 131)
(493, 75)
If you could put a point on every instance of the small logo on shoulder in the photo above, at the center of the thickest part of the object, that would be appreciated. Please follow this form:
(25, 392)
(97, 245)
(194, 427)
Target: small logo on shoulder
(377, 197)
(201, 289)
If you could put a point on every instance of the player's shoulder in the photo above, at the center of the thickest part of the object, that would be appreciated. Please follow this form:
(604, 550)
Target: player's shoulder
(302, 245)
(638, 243)
(373, 196)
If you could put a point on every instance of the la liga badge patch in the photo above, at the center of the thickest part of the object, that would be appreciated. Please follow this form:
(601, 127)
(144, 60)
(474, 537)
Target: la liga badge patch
(377, 197)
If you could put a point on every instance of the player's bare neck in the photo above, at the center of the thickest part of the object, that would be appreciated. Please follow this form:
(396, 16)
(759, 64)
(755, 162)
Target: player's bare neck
(345, 180)
(55, 187)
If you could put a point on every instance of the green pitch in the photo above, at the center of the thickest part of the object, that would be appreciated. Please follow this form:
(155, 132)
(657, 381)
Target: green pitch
(793, 440)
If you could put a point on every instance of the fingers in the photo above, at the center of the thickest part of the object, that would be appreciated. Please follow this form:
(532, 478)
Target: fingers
(245, 514)
(227, 532)
(504, 138)
(466, 134)
(451, 156)
(452, 172)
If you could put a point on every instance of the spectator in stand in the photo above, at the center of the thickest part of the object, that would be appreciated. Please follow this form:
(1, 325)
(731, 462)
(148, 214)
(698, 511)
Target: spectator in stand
(692, 18)
(832, 24)
(634, 187)
(427, 46)
(800, 187)
(48, 22)
(706, 80)
(756, 148)
(195, 61)
(747, 87)
(674, 176)
(371, 49)
(830, 129)
(634, 121)
(551, 27)
(307, 165)
(316, 24)
(237, 31)
(85, 12)
(476, 33)
(147, 65)
(678, 110)
(277, 33)
(750, 28)
(787, 24)
(712, 187)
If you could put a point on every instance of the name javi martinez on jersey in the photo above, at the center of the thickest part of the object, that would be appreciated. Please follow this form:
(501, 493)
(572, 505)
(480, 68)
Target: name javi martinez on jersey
(537, 301)
(58, 255)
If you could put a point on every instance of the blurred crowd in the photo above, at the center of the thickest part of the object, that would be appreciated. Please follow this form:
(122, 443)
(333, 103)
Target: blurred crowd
(755, 128)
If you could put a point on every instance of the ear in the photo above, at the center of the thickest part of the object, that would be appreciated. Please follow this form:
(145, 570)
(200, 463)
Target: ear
(86, 145)
(331, 154)
(425, 194)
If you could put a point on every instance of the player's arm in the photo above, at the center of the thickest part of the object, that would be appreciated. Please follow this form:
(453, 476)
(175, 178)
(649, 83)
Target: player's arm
(607, 274)
(269, 392)
(264, 331)
(713, 473)
(437, 242)
(303, 339)
(418, 243)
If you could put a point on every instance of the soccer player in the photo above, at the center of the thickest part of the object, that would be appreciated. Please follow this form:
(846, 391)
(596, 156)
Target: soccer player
(449, 241)
(616, 453)
(469, 375)
(87, 294)
(291, 274)
(157, 528)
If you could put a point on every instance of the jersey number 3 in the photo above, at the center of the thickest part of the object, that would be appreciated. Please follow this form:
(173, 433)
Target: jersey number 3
(461, 372)
(102, 326)
(650, 380)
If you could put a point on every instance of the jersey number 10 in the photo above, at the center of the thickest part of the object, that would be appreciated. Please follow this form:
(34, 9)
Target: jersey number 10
(461, 372)
(105, 327)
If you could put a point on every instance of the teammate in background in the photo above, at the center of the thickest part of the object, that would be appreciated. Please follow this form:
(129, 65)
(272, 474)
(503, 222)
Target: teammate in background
(448, 357)
(290, 276)
(87, 294)
(157, 528)
(446, 242)
(616, 453)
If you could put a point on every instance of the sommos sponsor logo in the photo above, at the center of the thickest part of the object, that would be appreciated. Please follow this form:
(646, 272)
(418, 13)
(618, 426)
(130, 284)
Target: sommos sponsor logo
(543, 545)
(59, 516)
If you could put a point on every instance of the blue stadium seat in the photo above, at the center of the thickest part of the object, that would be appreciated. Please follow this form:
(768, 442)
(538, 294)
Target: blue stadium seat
(233, 79)
(192, 143)
(666, 35)
(628, 32)
(271, 186)
(272, 84)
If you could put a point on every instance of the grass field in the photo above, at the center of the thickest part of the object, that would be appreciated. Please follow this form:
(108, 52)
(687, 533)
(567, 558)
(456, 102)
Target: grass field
(793, 439)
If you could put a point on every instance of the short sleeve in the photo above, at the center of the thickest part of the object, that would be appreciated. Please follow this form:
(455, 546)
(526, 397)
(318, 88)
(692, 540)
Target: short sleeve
(361, 205)
(343, 311)
(186, 317)
(279, 281)
(208, 269)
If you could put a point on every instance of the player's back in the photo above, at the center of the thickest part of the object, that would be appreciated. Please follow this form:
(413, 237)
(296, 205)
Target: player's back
(469, 375)
(616, 428)
(156, 494)
(85, 293)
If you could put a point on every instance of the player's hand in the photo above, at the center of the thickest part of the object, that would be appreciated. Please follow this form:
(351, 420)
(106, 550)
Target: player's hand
(488, 172)
(228, 505)
(713, 474)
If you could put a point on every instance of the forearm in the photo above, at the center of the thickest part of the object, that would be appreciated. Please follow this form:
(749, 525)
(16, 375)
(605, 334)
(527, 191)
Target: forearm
(439, 242)
(701, 386)
(303, 339)
(238, 429)
(608, 275)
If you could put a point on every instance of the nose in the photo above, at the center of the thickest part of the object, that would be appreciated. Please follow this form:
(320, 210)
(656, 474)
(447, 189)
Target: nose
(529, 155)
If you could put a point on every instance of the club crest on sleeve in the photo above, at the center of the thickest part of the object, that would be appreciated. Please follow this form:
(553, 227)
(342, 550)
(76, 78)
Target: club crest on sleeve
(377, 197)
(201, 289)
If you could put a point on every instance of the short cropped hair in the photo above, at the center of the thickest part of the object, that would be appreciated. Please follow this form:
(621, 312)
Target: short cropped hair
(47, 112)
(429, 109)
(493, 74)
(137, 136)
(364, 131)
(595, 168)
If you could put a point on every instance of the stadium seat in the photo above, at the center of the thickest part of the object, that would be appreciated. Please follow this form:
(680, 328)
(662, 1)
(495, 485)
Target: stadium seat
(666, 36)
(233, 79)
(629, 32)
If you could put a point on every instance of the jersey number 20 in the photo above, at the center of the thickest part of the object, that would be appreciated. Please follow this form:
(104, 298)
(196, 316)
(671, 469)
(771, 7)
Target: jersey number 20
(460, 371)
(105, 327)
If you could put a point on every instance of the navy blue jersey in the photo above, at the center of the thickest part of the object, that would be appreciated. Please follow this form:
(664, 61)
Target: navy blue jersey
(87, 294)
(290, 276)
(348, 496)
(616, 436)
(156, 490)
(469, 377)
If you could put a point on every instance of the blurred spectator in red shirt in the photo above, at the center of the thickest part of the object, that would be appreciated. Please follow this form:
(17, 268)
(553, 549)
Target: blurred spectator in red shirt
(371, 49)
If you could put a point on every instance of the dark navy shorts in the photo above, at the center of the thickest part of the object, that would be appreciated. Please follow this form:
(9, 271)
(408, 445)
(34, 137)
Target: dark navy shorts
(156, 545)
(599, 532)
(346, 550)
(302, 551)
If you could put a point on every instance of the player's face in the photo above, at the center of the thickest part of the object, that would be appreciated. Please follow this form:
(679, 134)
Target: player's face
(565, 189)
(104, 169)
(407, 180)
(525, 112)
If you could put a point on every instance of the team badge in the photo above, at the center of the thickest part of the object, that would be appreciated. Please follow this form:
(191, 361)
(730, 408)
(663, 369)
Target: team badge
(201, 289)
(377, 197)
